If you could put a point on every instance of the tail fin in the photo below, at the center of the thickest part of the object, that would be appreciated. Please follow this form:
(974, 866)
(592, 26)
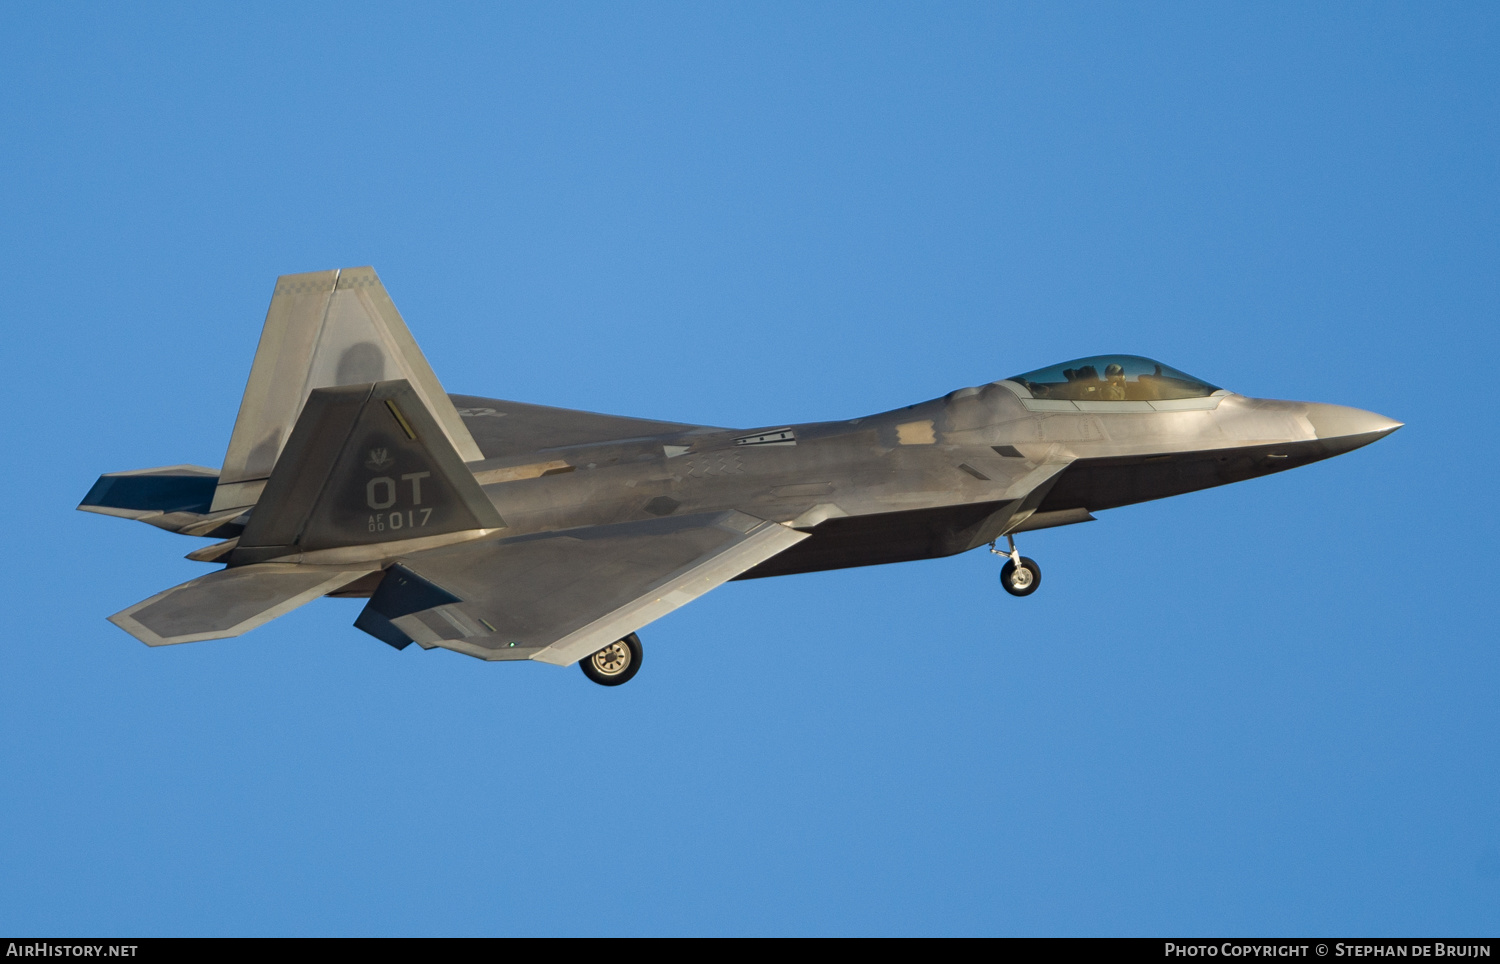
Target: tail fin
(324, 329)
(365, 464)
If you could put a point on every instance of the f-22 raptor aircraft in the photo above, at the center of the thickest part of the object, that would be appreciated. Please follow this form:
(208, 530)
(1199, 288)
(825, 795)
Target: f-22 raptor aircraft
(510, 531)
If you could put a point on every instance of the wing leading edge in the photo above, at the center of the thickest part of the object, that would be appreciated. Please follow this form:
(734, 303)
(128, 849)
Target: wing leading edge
(559, 596)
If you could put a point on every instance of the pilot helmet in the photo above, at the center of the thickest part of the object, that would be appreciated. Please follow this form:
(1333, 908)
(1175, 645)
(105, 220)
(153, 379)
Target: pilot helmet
(1114, 371)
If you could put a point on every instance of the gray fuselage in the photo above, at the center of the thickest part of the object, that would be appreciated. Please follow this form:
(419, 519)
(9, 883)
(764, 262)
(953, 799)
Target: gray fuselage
(930, 479)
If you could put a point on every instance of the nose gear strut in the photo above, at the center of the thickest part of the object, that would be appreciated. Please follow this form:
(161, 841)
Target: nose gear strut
(1019, 576)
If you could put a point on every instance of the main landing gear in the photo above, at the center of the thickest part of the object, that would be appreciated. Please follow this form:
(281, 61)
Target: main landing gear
(1019, 576)
(615, 663)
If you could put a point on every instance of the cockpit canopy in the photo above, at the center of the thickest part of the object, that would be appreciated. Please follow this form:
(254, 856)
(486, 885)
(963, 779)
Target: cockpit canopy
(1113, 378)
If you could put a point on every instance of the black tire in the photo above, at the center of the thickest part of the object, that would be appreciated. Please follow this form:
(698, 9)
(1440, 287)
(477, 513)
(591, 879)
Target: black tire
(1028, 585)
(604, 666)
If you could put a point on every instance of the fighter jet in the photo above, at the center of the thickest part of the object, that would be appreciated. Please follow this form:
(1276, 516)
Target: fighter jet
(510, 531)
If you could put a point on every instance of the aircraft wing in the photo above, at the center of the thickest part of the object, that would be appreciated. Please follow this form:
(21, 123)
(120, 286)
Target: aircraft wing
(504, 429)
(559, 596)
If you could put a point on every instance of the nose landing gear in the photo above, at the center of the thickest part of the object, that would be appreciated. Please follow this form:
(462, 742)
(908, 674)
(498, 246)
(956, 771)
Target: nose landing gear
(1019, 576)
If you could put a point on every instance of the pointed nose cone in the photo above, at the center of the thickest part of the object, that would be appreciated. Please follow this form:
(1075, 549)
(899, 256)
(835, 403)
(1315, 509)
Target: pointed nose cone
(1346, 429)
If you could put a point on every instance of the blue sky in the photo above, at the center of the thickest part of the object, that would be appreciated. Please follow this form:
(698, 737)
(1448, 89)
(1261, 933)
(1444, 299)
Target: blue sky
(1264, 709)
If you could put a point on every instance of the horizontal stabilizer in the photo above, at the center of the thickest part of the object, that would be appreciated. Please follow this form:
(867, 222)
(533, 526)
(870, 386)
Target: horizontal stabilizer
(177, 498)
(175, 488)
(229, 602)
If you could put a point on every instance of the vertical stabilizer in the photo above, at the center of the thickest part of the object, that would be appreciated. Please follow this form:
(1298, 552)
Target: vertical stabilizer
(366, 464)
(323, 330)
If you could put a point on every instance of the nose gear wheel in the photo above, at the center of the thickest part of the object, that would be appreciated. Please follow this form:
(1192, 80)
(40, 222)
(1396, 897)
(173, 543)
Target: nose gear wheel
(1021, 580)
(1019, 576)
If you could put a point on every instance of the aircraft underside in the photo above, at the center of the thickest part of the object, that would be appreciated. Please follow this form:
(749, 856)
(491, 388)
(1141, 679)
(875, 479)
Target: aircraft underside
(1086, 486)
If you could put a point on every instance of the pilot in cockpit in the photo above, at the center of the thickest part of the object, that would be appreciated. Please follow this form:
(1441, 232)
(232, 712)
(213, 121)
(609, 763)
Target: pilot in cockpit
(1114, 384)
(1125, 378)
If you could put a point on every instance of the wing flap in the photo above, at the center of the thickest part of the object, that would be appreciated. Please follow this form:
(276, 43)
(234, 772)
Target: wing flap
(229, 602)
(558, 596)
(762, 542)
